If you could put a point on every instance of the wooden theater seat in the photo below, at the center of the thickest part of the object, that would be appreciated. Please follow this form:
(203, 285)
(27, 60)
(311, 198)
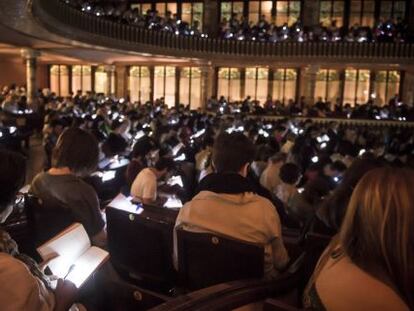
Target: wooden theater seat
(206, 259)
(236, 294)
(141, 248)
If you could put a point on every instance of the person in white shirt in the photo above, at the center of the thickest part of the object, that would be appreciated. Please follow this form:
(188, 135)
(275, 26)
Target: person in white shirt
(144, 187)
(227, 204)
(270, 176)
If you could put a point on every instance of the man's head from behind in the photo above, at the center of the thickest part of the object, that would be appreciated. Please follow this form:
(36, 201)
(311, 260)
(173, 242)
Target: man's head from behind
(163, 166)
(232, 153)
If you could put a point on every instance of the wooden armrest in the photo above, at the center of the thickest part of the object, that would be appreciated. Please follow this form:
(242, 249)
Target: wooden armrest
(230, 295)
(277, 305)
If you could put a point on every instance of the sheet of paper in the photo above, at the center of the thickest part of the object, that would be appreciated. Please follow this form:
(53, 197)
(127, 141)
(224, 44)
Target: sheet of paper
(124, 203)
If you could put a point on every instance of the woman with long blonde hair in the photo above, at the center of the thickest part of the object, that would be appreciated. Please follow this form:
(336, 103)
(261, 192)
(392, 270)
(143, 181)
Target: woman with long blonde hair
(369, 265)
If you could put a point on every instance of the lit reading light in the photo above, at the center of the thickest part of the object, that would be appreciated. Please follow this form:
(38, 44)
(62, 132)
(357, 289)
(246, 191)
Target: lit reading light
(176, 149)
(108, 175)
(323, 138)
(1, 134)
(362, 151)
(198, 134)
(263, 133)
(12, 129)
(180, 158)
(115, 115)
(336, 179)
(173, 202)
(300, 190)
(94, 116)
(315, 159)
(139, 135)
(175, 180)
(121, 100)
(323, 145)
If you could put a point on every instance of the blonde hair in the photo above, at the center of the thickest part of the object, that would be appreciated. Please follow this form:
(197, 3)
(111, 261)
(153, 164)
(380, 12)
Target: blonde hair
(377, 233)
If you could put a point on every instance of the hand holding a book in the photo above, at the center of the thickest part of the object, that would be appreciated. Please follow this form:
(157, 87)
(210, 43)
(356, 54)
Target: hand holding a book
(65, 295)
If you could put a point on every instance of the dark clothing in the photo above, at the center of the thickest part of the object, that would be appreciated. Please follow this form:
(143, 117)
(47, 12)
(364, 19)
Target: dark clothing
(229, 183)
(70, 196)
(133, 169)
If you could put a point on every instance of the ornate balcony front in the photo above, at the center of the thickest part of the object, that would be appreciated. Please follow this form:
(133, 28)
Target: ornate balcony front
(83, 27)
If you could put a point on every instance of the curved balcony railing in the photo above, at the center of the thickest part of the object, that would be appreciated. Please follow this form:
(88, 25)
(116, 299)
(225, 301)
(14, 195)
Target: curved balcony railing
(81, 26)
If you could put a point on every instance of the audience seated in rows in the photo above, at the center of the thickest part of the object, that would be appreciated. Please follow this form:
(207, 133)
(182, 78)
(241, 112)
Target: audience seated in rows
(307, 175)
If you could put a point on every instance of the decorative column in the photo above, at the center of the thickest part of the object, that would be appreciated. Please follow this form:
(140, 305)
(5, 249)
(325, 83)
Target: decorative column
(121, 88)
(110, 84)
(311, 73)
(207, 76)
(30, 56)
(211, 17)
(409, 16)
(408, 88)
(310, 13)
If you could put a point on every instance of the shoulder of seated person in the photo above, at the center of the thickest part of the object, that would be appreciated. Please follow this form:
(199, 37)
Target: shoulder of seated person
(10, 266)
(344, 286)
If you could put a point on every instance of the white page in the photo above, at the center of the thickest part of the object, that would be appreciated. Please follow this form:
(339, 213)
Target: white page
(124, 203)
(69, 245)
(86, 264)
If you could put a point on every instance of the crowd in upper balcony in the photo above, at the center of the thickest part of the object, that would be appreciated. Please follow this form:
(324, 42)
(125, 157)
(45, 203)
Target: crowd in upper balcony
(151, 19)
(241, 29)
(264, 31)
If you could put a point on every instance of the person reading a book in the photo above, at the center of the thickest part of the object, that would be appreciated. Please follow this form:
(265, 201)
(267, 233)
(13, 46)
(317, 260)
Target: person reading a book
(65, 197)
(144, 187)
(23, 285)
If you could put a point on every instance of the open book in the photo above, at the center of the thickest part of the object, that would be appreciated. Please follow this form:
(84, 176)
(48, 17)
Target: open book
(77, 259)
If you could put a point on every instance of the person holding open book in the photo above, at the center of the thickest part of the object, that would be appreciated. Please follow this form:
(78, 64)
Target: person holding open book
(62, 191)
(23, 285)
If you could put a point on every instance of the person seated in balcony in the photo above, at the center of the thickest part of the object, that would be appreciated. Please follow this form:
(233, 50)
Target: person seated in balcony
(368, 265)
(23, 285)
(62, 189)
(226, 203)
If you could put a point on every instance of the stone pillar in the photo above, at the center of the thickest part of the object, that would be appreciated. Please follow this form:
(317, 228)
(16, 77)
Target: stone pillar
(30, 56)
(207, 76)
(310, 12)
(408, 88)
(121, 81)
(410, 16)
(211, 17)
(110, 86)
(311, 73)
